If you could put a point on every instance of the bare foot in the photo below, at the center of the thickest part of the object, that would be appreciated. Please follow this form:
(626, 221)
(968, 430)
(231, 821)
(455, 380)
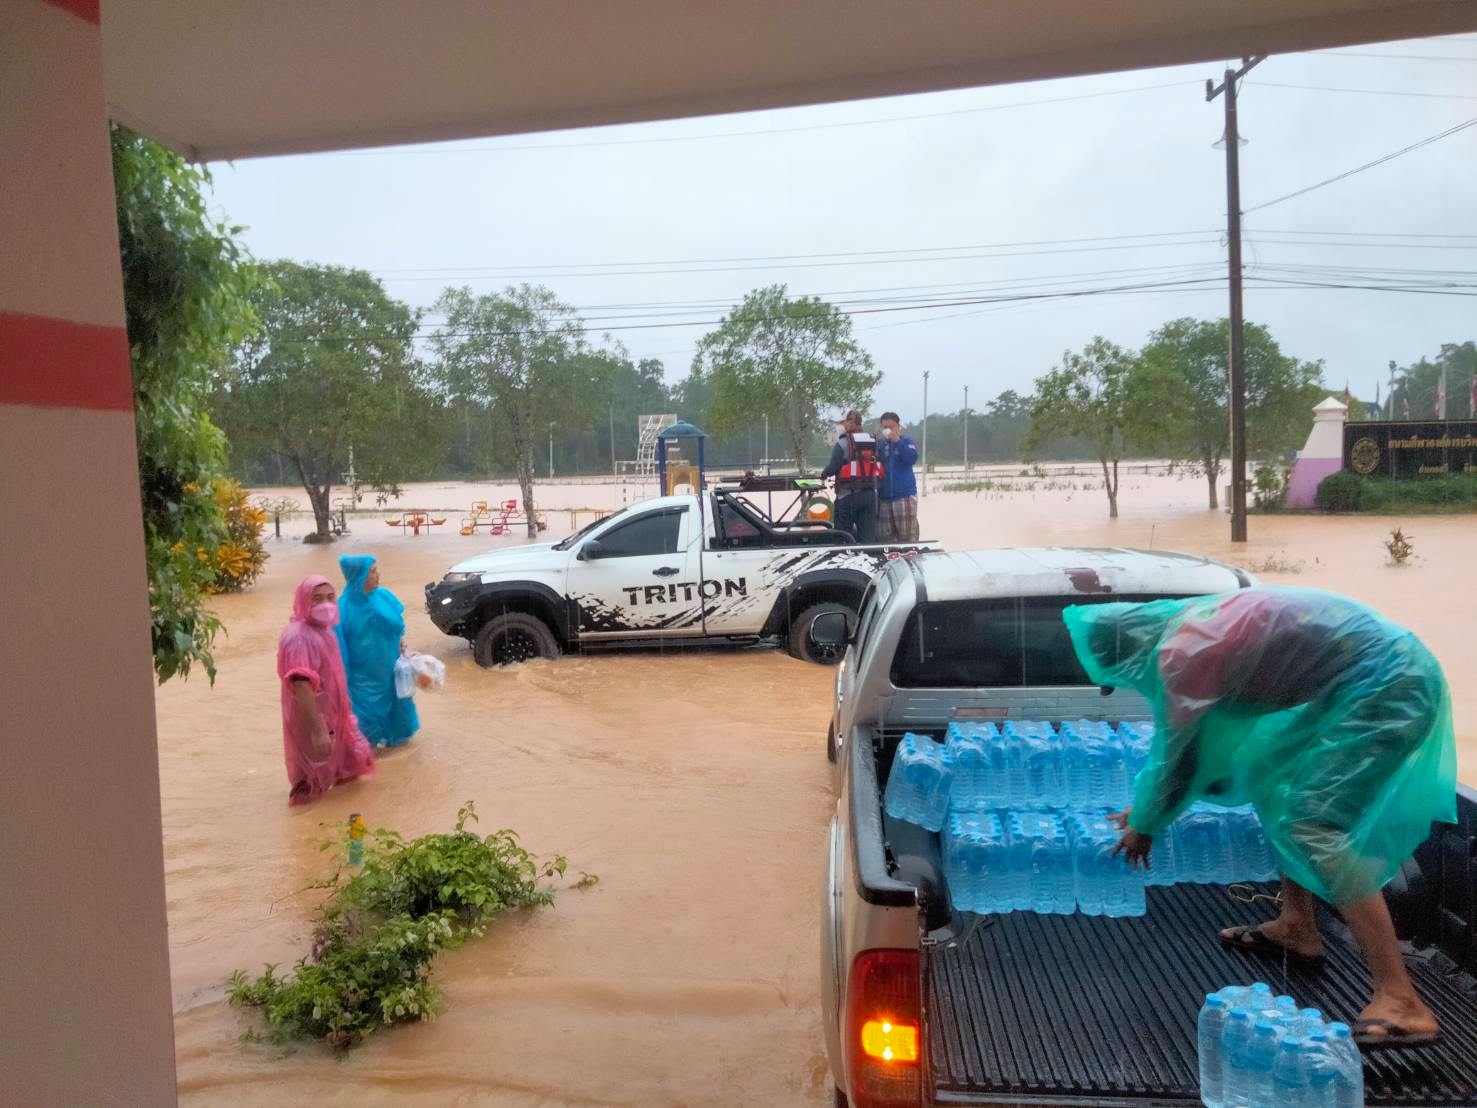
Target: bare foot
(1403, 1011)
(1301, 939)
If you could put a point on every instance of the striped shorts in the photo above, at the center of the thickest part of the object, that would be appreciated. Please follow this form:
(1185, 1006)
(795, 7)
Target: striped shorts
(897, 520)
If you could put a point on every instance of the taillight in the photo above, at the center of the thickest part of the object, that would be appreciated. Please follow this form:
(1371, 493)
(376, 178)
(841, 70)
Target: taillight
(883, 1037)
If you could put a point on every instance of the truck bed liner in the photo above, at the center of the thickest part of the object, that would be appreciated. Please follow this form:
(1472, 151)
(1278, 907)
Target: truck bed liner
(1096, 1011)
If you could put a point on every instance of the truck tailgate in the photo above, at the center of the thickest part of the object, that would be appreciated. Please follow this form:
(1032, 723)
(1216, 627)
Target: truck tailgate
(1096, 1011)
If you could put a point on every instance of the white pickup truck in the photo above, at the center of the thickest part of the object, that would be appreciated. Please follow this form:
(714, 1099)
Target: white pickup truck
(670, 569)
(924, 1005)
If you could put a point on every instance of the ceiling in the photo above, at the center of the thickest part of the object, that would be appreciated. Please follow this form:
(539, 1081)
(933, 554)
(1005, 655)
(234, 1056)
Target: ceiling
(239, 78)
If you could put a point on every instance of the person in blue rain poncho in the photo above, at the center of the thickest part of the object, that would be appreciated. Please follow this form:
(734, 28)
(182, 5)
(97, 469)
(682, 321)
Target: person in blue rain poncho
(1332, 721)
(372, 620)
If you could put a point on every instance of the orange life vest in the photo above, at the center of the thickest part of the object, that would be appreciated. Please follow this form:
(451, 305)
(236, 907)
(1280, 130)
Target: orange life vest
(862, 469)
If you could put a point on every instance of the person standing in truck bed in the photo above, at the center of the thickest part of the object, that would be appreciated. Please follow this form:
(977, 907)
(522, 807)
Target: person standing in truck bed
(857, 471)
(1332, 721)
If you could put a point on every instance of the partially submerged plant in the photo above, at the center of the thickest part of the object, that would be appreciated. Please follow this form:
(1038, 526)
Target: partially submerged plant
(1400, 546)
(381, 928)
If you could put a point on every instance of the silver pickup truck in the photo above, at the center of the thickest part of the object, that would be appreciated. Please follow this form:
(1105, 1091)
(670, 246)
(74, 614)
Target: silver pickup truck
(925, 1005)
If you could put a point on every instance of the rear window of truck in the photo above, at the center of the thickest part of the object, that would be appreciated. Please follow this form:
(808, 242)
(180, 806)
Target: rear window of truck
(1003, 643)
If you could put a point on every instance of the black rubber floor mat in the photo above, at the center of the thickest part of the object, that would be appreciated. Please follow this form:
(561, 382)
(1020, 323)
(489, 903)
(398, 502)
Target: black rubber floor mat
(1089, 1010)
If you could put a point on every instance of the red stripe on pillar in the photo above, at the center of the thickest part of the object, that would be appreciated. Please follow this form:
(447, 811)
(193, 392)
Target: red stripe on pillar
(54, 363)
(89, 10)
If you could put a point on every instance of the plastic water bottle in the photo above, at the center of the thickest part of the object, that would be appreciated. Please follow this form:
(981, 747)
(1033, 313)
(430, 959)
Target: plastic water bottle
(1290, 1073)
(1209, 1029)
(1260, 1057)
(1043, 766)
(1164, 868)
(1045, 861)
(1322, 1070)
(1235, 1038)
(1348, 1074)
(1074, 767)
(1015, 793)
(969, 752)
(1202, 846)
(918, 784)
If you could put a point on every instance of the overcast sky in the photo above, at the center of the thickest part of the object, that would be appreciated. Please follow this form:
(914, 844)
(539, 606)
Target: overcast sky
(940, 199)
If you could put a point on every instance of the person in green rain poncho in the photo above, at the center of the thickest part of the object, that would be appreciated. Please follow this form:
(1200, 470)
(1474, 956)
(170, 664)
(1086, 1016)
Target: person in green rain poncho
(1332, 721)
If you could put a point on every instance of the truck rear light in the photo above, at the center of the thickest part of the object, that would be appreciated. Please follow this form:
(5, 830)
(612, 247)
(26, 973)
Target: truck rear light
(883, 1037)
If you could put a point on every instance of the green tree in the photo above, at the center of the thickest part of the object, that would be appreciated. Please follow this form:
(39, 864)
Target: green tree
(1087, 396)
(1180, 387)
(790, 359)
(186, 289)
(523, 354)
(332, 368)
(1417, 384)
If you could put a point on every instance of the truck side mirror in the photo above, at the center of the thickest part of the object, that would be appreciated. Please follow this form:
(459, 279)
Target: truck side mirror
(591, 551)
(829, 629)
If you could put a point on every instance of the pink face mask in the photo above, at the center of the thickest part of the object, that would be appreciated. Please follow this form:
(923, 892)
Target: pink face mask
(324, 615)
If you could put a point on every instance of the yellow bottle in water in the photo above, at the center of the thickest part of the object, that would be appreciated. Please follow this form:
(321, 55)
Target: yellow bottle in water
(357, 830)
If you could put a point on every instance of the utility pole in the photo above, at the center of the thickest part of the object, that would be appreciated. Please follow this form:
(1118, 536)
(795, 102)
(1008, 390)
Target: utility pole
(966, 430)
(766, 442)
(1390, 412)
(613, 471)
(551, 452)
(1232, 139)
(925, 432)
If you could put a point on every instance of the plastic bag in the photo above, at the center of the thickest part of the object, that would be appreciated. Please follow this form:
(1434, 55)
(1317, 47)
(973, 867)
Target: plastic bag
(1332, 721)
(430, 671)
(404, 678)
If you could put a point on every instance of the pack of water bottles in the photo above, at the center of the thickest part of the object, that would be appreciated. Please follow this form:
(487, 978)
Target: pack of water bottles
(1262, 1051)
(985, 787)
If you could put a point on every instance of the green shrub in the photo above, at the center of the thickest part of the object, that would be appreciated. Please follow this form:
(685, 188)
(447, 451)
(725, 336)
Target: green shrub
(1269, 487)
(1453, 492)
(381, 928)
(1340, 492)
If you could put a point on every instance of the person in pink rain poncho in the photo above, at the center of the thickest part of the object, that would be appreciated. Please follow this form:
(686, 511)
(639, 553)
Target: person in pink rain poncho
(321, 743)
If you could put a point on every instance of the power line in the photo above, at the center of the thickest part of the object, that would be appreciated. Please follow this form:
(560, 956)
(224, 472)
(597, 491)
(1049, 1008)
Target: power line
(1368, 165)
(1471, 59)
(1369, 91)
(1370, 234)
(799, 128)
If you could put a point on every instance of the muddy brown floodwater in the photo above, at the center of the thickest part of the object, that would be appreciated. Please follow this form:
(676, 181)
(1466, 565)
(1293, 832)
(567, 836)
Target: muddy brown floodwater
(694, 785)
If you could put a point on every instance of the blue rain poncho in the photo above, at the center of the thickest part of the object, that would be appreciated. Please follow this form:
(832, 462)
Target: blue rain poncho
(1332, 721)
(373, 625)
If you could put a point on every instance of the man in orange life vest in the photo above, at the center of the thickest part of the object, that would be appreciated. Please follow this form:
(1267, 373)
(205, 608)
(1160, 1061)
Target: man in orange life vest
(857, 471)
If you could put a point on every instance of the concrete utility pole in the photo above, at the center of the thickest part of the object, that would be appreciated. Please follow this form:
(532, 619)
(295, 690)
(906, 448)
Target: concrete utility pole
(966, 430)
(551, 452)
(925, 432)
(613, 471)
(1232, 139)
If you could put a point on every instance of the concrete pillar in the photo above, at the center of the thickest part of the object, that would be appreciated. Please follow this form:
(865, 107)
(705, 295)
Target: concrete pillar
(1322, 455)
(84, 981)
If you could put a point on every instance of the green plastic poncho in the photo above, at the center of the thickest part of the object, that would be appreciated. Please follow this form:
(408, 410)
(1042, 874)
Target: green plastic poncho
(1332, 721)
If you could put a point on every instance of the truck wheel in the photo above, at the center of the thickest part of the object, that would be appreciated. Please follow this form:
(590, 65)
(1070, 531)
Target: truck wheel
(513, 637)
(800, 644)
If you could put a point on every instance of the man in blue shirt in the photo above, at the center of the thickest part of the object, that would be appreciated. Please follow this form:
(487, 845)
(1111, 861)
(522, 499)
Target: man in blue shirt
(897, 495)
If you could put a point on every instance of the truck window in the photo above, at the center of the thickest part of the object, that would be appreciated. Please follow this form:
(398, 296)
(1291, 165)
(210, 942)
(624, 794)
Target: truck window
(735, 530)
(878, 593)
(653, 533)
(992, 643)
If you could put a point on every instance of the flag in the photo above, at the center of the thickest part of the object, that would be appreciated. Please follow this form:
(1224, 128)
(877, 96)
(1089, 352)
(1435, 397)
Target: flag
(1346, 394)
(1378, 410)
(1441, 395)
(1472, 398)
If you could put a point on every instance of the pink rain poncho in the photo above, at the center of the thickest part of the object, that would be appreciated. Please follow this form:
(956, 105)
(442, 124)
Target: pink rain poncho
(311, 650)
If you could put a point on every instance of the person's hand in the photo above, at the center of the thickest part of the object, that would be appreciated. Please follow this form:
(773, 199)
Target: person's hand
(1120, 819)
(322, 741)
(1135, 848)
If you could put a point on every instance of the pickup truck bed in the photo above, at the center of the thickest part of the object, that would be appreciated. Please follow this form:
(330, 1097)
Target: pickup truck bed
(1024, 1008)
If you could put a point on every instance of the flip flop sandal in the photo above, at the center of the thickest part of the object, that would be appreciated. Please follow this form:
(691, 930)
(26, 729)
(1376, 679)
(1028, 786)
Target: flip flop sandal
(1389, 1036)
(1253, 941)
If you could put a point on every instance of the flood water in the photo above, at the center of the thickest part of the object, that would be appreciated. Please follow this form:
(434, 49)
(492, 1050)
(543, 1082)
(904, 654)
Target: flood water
(693, 785)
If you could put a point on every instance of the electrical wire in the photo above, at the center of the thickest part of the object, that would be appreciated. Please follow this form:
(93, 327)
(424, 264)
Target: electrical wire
(1369, 91)
(1367, 165)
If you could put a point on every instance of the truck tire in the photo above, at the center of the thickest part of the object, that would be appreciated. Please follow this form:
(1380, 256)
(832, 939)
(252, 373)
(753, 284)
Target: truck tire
(800, 644)
(513, 637)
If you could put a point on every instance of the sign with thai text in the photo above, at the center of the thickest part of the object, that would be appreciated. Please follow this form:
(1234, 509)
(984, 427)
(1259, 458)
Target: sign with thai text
(1404, 448)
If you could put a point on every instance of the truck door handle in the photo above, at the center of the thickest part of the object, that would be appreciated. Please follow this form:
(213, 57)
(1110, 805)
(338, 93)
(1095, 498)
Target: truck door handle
(666, 571)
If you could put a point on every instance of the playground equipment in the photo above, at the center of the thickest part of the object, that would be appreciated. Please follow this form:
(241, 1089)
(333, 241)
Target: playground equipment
(413, 519)
(679, 459)
(498, 520)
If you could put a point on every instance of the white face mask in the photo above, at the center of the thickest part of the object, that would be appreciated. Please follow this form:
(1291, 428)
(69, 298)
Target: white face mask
(887, 433)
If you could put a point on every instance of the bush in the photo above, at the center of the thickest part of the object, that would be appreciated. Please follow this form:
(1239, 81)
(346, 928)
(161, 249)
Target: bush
(381, 929)
(1269, 487)
(1348, 492)
(239, 558)
(1340, 492)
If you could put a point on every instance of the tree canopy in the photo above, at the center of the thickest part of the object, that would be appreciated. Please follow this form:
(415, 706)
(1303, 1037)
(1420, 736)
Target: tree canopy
(1088, 396)
(187, 285)
(333, 367)
(790, 359)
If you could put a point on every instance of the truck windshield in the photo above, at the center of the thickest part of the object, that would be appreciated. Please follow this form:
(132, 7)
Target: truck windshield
(992, 643)
(569, 540)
